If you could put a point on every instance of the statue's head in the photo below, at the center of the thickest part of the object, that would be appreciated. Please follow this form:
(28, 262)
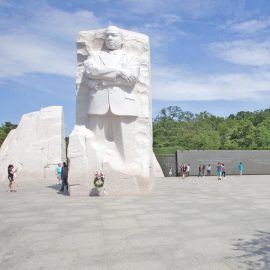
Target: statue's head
(113, 38)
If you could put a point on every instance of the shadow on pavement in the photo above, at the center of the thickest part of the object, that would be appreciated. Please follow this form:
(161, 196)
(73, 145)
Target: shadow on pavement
(256, 252)
(58, 187)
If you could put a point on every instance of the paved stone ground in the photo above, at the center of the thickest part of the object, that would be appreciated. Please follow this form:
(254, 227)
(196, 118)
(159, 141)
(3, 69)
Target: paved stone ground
(193, 224)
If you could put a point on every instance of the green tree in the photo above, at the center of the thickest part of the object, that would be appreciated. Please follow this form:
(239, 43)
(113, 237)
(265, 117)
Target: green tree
(175, 129)
(244, 135)
(262, 135)
(5, 129)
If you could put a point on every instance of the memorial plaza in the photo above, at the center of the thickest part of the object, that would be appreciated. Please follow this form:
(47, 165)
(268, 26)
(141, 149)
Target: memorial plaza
(190, 224)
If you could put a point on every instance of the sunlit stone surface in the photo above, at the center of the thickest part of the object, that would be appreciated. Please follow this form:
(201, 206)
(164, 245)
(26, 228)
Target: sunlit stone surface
(113, 131)
(36, 145)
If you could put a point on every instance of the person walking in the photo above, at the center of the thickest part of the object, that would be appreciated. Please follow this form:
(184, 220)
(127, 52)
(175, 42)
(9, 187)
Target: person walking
(219, 170)
(64, 177)
(208, 169)
(58, 172)
(223, 171)
(241, 167)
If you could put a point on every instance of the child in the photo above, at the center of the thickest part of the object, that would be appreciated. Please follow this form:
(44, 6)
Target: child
(170, 171)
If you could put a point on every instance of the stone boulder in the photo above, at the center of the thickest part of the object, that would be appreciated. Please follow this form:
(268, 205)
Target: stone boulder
(36, 146)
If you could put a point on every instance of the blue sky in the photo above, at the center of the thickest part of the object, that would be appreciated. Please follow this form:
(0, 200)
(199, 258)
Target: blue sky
(211, 55)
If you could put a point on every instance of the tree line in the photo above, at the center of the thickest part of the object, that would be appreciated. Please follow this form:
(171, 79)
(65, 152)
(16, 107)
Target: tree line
(4, 130)
(175, 129)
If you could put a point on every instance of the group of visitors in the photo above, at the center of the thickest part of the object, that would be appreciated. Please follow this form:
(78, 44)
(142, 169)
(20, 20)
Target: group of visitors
(221, 171)
(184, 170)
(61, 172)
(62, 175)
(205, 170)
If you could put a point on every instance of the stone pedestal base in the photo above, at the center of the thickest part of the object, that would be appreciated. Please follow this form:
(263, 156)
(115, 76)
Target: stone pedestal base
(120, 179)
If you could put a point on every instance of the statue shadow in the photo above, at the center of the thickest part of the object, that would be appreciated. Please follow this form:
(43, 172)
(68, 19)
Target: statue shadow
(255, 252)
(58, 187)
(95, 192)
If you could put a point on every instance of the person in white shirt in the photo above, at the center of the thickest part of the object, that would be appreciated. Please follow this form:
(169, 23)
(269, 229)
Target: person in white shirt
(208, 169)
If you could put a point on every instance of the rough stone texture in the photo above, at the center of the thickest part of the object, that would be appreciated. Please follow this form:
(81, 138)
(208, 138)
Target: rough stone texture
(255, 161)
(36, 146)
(191, 224)
(113, 131)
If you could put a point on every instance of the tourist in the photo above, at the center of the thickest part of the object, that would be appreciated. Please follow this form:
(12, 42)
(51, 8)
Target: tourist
(11, 177)
(241, 167)
(59, 171)
(203, 170)
(181, 169)
(64, 177)
(223, 171)
(200, 171)
(188, 170)
(184, 171)
(208, 169)
(170, 171)
(219, 170)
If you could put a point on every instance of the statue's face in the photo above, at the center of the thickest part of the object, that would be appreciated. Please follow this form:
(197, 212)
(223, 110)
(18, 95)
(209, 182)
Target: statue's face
(113, 39)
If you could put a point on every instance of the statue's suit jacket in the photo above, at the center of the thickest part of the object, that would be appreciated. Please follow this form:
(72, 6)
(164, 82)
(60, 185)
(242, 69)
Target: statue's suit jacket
(108, 91)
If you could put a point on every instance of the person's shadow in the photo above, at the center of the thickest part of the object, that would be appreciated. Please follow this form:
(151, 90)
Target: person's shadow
(58, 187)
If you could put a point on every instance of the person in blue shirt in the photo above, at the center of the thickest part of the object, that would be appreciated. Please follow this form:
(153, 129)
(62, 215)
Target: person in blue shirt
(240, 167)
(219, 170)
(59, 172)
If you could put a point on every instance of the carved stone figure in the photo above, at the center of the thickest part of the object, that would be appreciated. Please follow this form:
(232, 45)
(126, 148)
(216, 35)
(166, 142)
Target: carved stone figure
(112, 75)
(113, 131)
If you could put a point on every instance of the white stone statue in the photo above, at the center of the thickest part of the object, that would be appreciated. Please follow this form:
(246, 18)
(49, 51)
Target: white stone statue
(111, 76)
(113, 131)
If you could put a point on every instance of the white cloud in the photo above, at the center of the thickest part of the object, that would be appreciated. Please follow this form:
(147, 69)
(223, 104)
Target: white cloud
(171, 18)
(251, 26)
(175, 84)
(20, 54)
(41, 40)
(162, 31)
(60, 24)
(193, 8)
(243, 52)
